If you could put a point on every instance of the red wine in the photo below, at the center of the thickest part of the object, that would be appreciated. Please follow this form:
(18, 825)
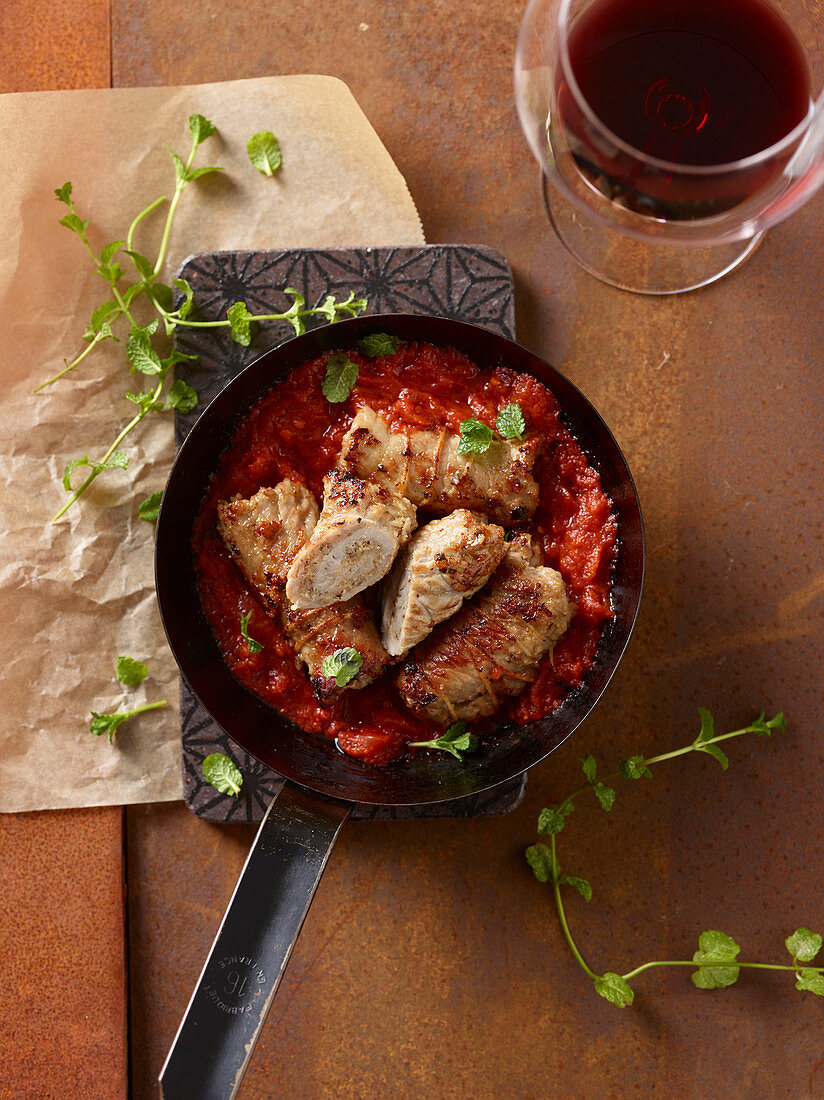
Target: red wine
(689, 82)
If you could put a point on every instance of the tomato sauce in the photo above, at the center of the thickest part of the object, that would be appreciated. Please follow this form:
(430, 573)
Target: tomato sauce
(293, 432)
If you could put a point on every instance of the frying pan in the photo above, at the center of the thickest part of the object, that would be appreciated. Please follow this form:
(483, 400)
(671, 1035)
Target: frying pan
(253, 944)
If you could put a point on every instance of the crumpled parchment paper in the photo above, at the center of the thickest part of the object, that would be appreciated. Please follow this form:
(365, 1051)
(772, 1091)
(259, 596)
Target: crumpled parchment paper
(76, 594)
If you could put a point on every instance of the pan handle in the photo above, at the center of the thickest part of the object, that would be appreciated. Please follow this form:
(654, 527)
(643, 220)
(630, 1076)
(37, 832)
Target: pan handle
(235, 990)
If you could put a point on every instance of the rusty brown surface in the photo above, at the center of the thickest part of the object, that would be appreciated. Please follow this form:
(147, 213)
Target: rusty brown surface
(62, 956)
(53, 44)
(62, 913)
(430, 965)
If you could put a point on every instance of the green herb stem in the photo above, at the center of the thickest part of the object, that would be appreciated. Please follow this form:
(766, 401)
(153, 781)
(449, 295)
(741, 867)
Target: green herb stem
(70, 366)
(721, 963)
(556, 886)
(97, 471)
(180, 187)
(186, 323)
(139, 218)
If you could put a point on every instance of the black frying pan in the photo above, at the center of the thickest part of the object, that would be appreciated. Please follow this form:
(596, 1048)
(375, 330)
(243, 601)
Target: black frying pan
(253, 944)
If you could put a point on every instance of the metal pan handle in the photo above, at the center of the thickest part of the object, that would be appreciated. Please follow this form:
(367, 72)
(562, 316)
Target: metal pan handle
(225, 1015)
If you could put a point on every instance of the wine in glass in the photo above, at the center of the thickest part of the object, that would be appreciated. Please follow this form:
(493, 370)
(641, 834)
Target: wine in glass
(671, 133)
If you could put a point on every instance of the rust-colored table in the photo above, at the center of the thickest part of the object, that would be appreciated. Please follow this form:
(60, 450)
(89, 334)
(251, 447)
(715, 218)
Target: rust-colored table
(430, 965)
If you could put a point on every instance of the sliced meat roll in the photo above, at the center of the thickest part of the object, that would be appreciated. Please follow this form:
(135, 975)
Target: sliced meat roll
(426, 468)
(264, 533)
(361, 528)
(443, 563)
(492, 648)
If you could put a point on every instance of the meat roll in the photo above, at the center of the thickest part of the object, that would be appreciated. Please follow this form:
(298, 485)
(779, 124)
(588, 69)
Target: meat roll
(492, 648)
(361, 528)
(264, 533)
(426, 468)
(445, 561)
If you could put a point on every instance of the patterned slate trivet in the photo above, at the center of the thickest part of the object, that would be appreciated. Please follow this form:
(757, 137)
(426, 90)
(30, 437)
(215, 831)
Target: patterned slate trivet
(467, 282)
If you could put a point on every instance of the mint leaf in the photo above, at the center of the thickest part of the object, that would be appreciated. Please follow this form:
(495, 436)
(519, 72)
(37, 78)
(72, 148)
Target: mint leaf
(803, 945)
(109, 273)
(475, 437)
(109, 251)
(253, 644)
(180, 167)
(456, 740)
(613, 988)
(75, 223)
(130, 671)
(342, 666)
(580, 884)
(181, 397)
(719, 754)
(185, 306)
(765, 727)
(810, 981)
(264, 152)
(589, 766)
(715, 948)
(64, 193)
(145, 400)
(634, 768)
(117, 461)
(510, 422)
(149, 507)
(206, 170)
(552, 819)
(293, 313)
(539, 858)
(100, 318)
(145, 267)
(140, 352)
(376, 344)
(200, 128)
(161, 294)
(605, 795)
(240, 323)
(221, 772)
(707, 731)
(341, 375)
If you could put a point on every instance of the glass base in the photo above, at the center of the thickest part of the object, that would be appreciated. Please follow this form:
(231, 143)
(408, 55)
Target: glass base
(641, 267)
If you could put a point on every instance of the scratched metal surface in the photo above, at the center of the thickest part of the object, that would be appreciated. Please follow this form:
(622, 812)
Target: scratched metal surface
(430, 965)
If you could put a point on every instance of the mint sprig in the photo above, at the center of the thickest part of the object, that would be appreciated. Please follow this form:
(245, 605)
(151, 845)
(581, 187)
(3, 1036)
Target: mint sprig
(715, 965)
(110, 723)
(477, 437)
(342, 666)
(130, 276)
(457, 740)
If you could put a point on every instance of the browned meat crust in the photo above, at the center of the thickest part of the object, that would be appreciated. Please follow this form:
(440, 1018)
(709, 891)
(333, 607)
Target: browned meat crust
(426, 468)
(492, 648)
(444, 563)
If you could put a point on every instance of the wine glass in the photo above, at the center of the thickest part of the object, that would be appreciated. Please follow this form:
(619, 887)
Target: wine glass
(671, 133)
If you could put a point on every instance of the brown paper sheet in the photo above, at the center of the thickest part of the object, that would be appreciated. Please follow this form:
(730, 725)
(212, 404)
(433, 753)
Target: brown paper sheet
(75, 594)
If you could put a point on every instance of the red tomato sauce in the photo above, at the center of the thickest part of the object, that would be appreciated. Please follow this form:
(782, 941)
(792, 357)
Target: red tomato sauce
(293, 432)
